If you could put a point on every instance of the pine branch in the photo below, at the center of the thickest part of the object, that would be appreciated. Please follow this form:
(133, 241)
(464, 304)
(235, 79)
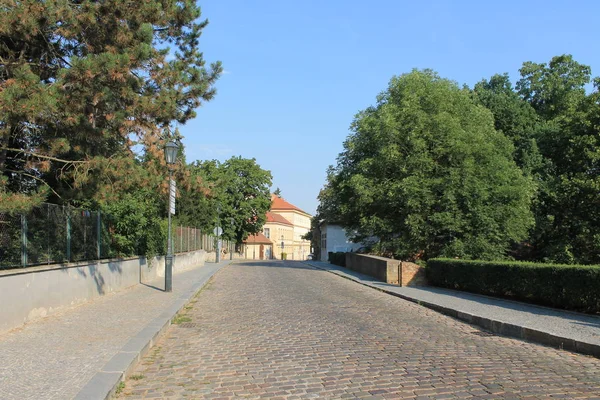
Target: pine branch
(36, 178)
(43, 156)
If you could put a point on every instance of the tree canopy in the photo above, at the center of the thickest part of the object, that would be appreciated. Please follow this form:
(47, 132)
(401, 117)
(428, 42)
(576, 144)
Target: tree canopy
(426, 172)
(497, 171)
(82, 82)
(237, 197)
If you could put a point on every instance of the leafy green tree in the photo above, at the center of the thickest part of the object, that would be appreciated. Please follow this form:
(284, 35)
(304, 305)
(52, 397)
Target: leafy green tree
(426, 172)
(198, 200)
(80, 79)
(244, 197)
(568, 210)
(135, 228)
(514, 117)
(233, 194)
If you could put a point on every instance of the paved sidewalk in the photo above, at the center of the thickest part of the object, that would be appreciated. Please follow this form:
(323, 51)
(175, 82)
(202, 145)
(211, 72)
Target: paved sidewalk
(55, 358)
(562, 329)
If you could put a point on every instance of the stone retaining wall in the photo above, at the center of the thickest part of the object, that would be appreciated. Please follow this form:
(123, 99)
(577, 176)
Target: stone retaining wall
(388, 270)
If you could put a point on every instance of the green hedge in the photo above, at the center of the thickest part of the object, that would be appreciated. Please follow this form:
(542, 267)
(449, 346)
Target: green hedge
(574, 287)
(337, 258)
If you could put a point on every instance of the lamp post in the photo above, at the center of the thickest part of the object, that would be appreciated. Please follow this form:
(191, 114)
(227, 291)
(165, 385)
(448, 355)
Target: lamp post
(218, 231)
(171, 149)
(231, 251)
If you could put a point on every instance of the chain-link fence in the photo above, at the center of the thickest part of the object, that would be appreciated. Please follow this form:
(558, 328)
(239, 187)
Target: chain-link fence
(52, 234)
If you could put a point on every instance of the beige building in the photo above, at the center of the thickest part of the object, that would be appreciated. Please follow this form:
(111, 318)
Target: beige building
(286, 224)
(258, 247)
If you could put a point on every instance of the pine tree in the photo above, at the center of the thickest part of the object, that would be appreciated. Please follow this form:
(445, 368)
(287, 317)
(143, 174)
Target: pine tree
(82, 81)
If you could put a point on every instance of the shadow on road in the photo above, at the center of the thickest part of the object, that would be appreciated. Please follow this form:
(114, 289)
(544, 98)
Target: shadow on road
(275, 264)
(152, 286)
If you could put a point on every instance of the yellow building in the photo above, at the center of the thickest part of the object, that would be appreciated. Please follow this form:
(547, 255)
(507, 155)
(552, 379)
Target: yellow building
(280, 231)
(258, 247)
(286, 224)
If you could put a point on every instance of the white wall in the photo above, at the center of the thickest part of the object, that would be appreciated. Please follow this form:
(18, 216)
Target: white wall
(336, 240)
(30, 293)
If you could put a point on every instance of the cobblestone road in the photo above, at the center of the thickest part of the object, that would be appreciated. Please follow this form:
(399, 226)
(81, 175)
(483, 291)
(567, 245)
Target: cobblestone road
(285, 331)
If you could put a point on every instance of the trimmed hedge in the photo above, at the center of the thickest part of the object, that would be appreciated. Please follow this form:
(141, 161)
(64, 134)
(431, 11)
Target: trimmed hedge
(574, 287)
(337, 258)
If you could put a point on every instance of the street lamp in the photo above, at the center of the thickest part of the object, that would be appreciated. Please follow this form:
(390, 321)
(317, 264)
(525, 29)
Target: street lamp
(171, 150)
(230, 251)
(218, 231)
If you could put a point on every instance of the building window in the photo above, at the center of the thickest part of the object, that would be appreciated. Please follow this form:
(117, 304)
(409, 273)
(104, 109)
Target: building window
(268, 233)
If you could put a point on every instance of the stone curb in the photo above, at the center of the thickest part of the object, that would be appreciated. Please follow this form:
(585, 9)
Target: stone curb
(492, 325)
(105, 382)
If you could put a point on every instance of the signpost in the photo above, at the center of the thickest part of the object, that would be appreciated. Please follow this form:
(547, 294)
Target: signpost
(218, 231)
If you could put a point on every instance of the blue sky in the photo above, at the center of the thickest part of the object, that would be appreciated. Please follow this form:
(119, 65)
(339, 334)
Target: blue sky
(296, 72)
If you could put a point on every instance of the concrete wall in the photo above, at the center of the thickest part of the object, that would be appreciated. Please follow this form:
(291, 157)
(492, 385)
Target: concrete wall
(211, 257)
(30, 293)
(383, 269)
(387, 270)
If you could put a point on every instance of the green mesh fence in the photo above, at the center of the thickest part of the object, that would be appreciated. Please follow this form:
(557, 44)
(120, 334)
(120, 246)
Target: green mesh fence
(53, 234)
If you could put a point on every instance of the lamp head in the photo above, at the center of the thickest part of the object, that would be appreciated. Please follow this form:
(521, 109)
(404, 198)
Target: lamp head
(171, 149)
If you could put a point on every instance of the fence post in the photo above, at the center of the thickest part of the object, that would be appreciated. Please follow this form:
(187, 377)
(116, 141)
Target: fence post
(23, 240)
(98, 236)
(68, 236)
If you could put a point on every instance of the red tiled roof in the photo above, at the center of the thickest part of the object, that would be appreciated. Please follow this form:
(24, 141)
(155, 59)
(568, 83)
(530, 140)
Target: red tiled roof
(278, 203)
(272, 217)
(259, 238)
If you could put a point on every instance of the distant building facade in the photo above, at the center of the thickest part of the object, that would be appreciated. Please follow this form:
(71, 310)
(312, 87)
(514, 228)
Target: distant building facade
(258, 247)
(296, 225)
(282, 233)
(333, 239)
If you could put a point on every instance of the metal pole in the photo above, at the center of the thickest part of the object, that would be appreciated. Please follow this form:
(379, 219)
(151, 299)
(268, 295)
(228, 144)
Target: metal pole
(169, 257)
(99, 236)
(23, 240)
(48, 232)
(68, 235)
(218, 257)
(218, 248)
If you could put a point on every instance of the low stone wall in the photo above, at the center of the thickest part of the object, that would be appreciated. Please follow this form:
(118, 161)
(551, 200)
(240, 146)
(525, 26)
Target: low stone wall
(384, 269)
(27, 294)
(388, 270)
(412, 274)
(212, 256)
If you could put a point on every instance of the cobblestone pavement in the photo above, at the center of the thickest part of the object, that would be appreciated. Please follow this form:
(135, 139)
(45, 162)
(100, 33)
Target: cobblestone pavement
(286, 331)
(55, 357)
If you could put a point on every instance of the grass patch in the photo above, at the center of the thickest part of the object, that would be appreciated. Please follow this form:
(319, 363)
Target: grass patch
(120, 388)
(136, 377)
(181, 318)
